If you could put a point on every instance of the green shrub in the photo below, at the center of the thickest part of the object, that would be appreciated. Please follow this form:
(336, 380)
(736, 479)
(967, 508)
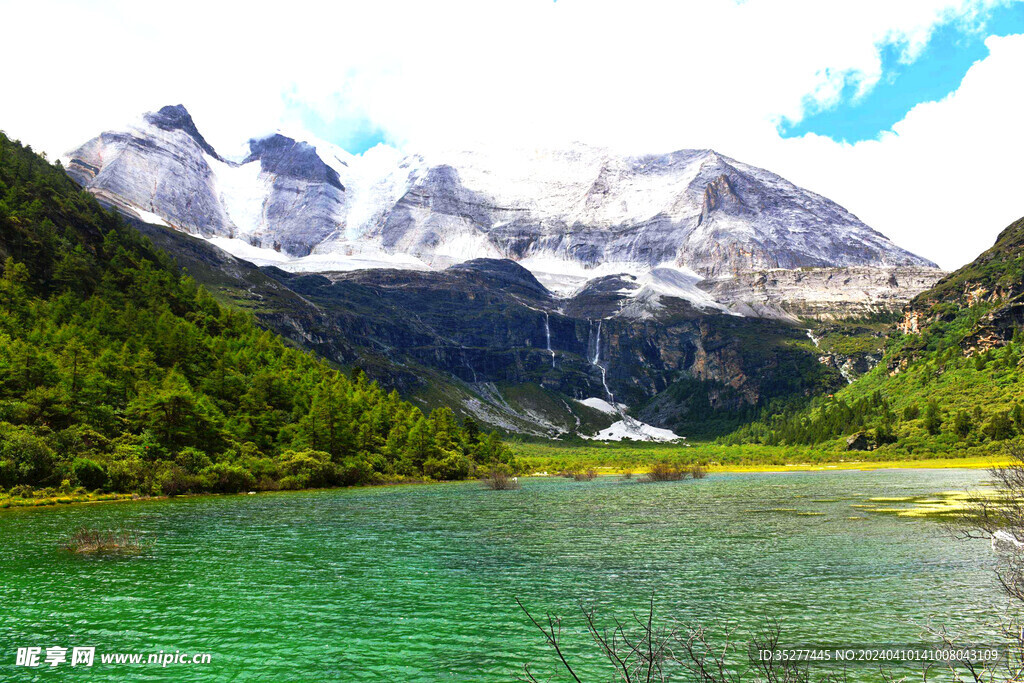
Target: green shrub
(89, 473)
(127, 475)
(313, 468)
(452, 468)
(225, 478)
(192, 460)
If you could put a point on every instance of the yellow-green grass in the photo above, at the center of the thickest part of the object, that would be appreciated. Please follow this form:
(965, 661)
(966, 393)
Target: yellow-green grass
(39, 500)
(619, 457)
(945, 505)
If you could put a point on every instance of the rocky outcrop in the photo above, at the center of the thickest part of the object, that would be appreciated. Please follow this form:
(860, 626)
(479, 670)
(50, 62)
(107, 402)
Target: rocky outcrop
(988, 293)
(154, 169)
(822, 293)
(858, 442)
(995, 329)
(305, 200)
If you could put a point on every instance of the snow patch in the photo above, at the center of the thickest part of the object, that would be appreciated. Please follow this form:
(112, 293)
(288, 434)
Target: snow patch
(150, 217)
(563, 277)
(602, 405)
(243, 250)
(358, 258)
(243, 191)
(355, 259)
(679, 283)
(637, 431)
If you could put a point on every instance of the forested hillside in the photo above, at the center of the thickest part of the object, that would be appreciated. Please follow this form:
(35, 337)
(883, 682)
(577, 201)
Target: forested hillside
(117, 372)
(951, 380)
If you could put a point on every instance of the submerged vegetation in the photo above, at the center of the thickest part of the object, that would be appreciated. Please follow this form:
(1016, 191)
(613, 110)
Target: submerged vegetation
(661, 471)
(93, 541)
(590, 474)
(500, 479)
(119, 374)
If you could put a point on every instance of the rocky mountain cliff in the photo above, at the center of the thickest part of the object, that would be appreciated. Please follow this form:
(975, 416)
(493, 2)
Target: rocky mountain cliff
(487, 338)
(568, 215)
(547, 292)
(821, 293)
(983, 300)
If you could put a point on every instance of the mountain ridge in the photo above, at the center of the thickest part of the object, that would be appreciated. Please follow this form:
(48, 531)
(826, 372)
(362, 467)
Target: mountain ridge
(312, 206)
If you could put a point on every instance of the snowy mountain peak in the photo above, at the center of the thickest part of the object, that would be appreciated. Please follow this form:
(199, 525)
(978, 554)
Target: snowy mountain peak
(567, 214)
(283, 156)
(176, 117)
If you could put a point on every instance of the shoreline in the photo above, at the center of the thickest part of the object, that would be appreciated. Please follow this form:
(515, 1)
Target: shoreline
(64, 500)
(975, 463)
(978, 463)
(970, 463)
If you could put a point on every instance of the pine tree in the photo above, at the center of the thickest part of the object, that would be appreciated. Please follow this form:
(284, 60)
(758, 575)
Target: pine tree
(962, 424)
(933, 418)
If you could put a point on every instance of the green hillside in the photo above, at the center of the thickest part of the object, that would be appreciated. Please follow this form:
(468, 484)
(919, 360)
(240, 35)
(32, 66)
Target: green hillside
(119, 373)
(951, 380)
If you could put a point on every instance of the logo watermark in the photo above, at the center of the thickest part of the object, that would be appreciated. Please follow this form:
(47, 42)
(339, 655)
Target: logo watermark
(901, 654)
(86, 656)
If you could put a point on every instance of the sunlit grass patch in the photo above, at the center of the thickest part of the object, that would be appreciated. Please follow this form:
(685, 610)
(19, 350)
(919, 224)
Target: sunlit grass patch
(944, 505)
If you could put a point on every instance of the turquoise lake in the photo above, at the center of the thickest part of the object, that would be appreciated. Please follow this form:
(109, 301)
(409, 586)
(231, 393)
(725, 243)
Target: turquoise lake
(418, 583)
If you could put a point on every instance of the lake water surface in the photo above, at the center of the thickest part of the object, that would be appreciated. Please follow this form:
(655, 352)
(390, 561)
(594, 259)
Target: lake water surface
(417, 583)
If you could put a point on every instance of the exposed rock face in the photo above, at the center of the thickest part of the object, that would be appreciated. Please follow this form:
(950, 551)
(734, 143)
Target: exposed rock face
(822, 293)
(577, 208)
(480, 332)
(305, 203)
(491, 322)
(992, 282)
(858, 442)
(174, 118)
(160, 167)
(911, 323)
(283, 196)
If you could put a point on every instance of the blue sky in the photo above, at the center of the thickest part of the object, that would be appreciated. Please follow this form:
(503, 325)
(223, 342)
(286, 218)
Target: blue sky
(935, 73)
(355, 135)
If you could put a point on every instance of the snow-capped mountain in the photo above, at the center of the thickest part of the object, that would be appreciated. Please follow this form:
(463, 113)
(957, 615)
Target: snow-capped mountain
(568, 215)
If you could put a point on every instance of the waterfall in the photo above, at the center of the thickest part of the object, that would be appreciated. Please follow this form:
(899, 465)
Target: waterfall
(596, 361)
(604, 381)
(547, 332)
(465, 361)
(630, 423)
(843, 370)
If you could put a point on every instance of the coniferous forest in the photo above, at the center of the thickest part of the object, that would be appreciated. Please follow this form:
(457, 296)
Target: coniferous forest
(119, 373)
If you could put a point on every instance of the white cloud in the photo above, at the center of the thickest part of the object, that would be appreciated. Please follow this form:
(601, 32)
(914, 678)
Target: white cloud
(639, 76)
(948, 177)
